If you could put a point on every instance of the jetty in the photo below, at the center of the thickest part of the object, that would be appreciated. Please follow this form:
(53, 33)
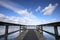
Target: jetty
(30, 34)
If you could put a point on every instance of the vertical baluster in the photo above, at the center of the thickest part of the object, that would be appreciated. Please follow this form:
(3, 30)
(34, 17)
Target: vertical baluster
(20, 29)
(56, 32)
(6, 32)
(42, 29)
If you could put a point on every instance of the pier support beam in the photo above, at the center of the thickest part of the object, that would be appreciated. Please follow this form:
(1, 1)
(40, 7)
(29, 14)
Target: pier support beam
(20, 29)
(6, 33)
(42, 30)
(56, 32)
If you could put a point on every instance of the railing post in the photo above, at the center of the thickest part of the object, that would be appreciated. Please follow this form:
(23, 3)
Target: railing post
(26, 27)
(42, 29)
(20, 29)
(56, 32)
(6, 32)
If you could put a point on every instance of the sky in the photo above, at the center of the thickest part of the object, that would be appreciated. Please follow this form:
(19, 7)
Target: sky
(30, 12)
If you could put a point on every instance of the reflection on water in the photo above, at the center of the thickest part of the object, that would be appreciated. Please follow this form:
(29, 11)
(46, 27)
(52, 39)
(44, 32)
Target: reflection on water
(1, 38)
(2, 30)
(11, 29)
(48, 36)
(58, 30)
(49, 29)
(12, 36)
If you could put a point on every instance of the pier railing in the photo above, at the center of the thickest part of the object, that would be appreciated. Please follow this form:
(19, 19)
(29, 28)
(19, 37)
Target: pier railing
(6, 29)
(55, 25)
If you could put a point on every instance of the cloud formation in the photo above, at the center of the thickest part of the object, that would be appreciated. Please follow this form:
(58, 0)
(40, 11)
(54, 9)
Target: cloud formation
(28, 18)
(10, 19)
(38, 9)
(49, 9)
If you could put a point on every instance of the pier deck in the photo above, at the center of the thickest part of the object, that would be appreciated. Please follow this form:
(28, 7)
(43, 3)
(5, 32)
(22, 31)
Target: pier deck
(31, 35)
(27, 34)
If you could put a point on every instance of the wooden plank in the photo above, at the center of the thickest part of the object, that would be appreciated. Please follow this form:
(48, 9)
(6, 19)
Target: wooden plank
(42, 29)
(20, 29)
(50, 24)
(39, 35)
(21, 36)
(56, 32)
(6, 23)
(6, 32)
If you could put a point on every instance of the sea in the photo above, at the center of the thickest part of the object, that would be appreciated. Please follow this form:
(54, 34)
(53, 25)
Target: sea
(14, 35)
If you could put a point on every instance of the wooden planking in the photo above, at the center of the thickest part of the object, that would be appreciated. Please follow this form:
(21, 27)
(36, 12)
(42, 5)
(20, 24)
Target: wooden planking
(56, 32)
(22, 35)
(55, 24)
(6, 32)
(39, 35)
(5, 23)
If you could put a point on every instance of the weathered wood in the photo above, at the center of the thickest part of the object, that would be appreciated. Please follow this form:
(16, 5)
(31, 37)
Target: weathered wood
(20, 37)
(56, 36)
(6, 23)
(55, 24)
(50, 24)
(6, 32)
(42, 29)
(20, 29)
(49, 33)
(56, 32)
(39, 35)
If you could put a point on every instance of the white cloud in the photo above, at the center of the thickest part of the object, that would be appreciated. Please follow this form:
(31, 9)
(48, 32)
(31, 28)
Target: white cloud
(54, 20)
(10, 6)
(8, 18)
(13, 8)
(38, 9)
(1, 15)
(22, 12)
(49, 9)
(28, 18)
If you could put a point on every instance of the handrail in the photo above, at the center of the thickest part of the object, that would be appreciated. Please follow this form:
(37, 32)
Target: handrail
(47, 24)
(6, 23)
(50, 33)
(6, 29)
(9, 33)
(55, 24)
(50, 24)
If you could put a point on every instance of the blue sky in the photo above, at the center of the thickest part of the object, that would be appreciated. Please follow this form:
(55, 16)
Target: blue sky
(30, 11)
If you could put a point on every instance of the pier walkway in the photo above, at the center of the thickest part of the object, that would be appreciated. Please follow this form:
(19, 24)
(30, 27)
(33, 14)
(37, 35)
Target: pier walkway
(31, 34)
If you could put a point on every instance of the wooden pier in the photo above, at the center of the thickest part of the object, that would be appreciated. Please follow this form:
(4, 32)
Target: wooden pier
(28, 34)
